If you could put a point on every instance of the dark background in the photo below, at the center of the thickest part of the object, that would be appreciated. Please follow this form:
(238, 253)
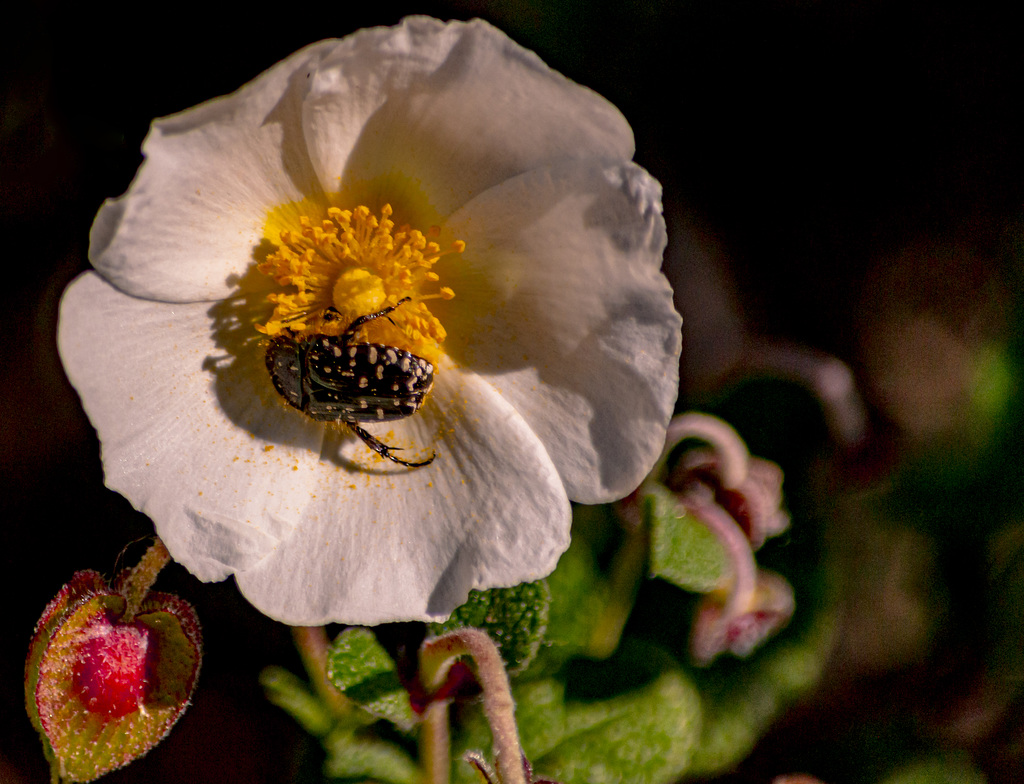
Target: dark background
(825, 165)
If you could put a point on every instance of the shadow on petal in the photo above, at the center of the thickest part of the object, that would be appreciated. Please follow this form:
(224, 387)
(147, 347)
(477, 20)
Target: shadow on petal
(453, 585)
(241, 381)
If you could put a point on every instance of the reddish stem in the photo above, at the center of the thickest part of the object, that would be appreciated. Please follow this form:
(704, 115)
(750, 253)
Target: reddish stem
(436, 658)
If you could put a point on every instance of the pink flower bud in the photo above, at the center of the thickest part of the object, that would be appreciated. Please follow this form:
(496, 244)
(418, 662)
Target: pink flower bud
(104, 688)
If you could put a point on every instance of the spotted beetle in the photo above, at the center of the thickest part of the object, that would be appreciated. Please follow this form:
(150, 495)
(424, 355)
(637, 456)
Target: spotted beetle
(331, 379)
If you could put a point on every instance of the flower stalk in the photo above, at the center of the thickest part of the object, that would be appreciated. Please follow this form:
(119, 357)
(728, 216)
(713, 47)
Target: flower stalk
(627, 573)
(312, 644)
(742, 580)
(738, 498)
(435, 743)
(436, 659)
(731, 453)
(134, 584)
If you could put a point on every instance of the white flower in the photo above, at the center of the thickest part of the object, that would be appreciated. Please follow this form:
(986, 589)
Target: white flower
(556, 359)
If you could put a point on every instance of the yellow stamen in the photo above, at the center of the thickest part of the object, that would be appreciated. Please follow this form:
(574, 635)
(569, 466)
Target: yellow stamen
(359, 263)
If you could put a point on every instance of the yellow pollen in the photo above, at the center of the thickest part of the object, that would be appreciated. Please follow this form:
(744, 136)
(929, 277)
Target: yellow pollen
(358, 263)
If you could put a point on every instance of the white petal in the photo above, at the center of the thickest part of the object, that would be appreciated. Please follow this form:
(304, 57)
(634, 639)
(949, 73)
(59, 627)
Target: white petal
(200, 443)
(357, 78)
(404, 544)
(561, 304)
(190, 222)
(454, 108)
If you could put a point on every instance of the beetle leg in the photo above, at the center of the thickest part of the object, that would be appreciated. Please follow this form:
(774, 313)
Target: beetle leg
(350, 332)
(384, 450)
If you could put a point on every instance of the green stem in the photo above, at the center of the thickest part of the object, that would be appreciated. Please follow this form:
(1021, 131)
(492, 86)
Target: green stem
(136, 584)
(437, 657)
(627, 573)
(435, 743)
(311, 642)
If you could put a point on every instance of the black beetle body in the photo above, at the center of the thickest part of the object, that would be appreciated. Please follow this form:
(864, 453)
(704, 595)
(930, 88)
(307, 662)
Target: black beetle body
(331, 379)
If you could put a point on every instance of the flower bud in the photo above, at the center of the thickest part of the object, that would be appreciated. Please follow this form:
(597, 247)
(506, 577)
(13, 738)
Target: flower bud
(103, 686)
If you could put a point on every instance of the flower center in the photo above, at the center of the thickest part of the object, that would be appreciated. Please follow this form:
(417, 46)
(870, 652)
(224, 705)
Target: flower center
(359, 264)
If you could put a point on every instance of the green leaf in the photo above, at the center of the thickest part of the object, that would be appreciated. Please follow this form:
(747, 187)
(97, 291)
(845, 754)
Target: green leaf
(955, 769)
(683, 550)
(643, 733)
(515, 618)
(292, 695)
(362, 759)
(579, 596)
(743, 697)
(645, 736)
(540, 714)
(363, 671)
